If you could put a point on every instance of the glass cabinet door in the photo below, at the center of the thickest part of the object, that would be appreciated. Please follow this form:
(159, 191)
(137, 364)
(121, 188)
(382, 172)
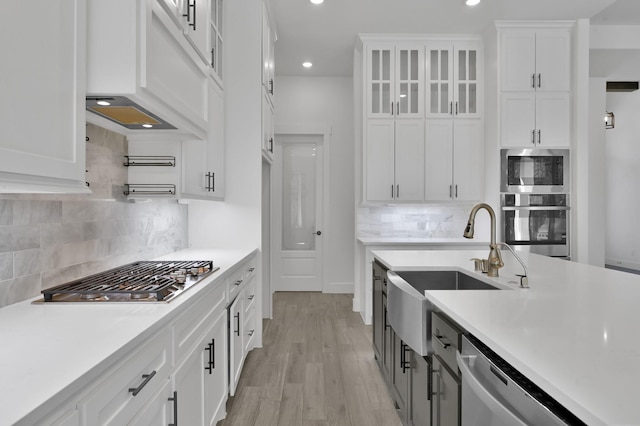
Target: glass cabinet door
(466, 68)
(439, 81)
(216, 38)
(409, 92)
(380, 82)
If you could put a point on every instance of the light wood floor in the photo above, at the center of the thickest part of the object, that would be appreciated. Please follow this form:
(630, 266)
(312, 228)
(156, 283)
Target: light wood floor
(316, 368)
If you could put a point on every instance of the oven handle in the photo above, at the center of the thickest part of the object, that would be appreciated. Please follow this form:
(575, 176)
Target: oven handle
(536, 208)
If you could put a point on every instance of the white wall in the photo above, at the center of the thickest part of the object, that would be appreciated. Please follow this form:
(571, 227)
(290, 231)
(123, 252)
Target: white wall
(328, 101)
(622, 179)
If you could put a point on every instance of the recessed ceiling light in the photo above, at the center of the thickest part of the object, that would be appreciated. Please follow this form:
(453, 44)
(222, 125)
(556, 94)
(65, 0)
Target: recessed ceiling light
(103, 103)
(147, 126)
(307, 64)
(472, 2)
(317, 1)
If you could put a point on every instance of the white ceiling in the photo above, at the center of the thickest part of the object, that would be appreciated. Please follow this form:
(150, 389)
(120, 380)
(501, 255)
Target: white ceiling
(325, 34)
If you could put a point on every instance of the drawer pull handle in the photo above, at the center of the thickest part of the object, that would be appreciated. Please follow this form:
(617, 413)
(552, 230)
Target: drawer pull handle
(175, 408)
(251, 332)
(251, 297)
(237, 282)
(211, 347)
(439, 340)
(146, 378)
(252, 269)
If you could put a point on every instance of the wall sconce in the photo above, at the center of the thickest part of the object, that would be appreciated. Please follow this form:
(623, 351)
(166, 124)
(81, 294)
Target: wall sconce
(609, 120)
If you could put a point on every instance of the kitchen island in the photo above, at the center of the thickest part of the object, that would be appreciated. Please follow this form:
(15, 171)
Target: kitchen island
(573, 332)
(54, 354)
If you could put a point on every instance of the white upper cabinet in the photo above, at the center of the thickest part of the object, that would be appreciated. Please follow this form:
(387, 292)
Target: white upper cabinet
(395, 81)
(454, 79)
(148, 60)
(268, 54)
(394, 160)
(42, 132)
(454, 165)
(535, 60)
(216, 35)
(535, 84)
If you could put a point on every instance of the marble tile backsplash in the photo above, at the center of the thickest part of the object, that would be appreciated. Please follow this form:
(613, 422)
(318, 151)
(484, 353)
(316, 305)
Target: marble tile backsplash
(427, 221)
(47, 240)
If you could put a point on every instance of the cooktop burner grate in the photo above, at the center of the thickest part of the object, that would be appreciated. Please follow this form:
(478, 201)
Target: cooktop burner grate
(138, 281)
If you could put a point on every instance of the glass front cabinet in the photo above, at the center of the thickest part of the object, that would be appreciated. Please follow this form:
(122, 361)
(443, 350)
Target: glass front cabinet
(453, 79)
(395, 81)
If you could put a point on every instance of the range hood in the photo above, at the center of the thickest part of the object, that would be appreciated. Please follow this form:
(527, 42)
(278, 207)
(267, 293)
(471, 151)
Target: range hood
(125, 112)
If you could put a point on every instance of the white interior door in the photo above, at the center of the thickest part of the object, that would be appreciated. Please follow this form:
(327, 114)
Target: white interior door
(297, 207)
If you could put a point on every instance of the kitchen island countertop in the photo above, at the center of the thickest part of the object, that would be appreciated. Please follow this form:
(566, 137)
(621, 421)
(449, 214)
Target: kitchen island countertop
(50, 351)
(573, 332)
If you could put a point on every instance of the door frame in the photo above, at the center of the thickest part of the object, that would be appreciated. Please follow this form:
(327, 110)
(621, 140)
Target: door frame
(324, 131)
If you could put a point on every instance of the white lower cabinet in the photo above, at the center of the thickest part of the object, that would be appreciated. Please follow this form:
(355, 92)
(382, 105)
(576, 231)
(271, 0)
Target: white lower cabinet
(179, 375)
(127, 386)
(159, 411)
(236, 347)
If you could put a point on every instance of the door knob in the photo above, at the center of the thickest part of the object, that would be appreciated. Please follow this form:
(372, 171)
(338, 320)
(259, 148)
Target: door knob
(318, 232)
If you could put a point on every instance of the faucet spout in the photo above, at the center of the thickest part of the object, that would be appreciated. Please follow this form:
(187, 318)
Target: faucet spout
(495, 258)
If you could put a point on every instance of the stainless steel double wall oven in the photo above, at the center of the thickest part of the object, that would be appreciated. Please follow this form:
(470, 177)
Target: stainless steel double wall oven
(535, 198)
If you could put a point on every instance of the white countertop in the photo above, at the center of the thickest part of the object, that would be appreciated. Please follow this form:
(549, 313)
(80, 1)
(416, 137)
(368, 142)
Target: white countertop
(53, 349)
(574, 332)
(414, 240)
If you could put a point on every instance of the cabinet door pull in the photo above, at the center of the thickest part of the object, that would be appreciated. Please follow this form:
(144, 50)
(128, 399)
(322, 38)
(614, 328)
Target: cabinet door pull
(533, 80)
(146, 377)
(175, 408)
(250, 333)
(188, 14)
(539, 80)
(237, 330)
(397, 191)
(456, 191)
(450, 191)
(533, 136)
(213, 353)
(391, 108)
(209, 367)
(213, 57)
(194, 16)
(397, 108)
(271, 145)
(450, 108)
(391, 191)
(271, 86)
(539, 136)
(456, 107)
(439, 340)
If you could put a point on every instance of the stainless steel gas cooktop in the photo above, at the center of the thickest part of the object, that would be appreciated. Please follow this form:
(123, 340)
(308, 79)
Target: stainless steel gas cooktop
(145, 281)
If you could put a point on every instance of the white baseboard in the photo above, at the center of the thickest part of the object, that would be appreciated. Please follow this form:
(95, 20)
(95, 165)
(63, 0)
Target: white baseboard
(338, 288)
(622, 263)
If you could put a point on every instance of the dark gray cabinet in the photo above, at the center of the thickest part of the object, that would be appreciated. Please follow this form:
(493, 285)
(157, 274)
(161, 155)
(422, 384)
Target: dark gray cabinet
(420, 394)
(378, 311)
(400, 377)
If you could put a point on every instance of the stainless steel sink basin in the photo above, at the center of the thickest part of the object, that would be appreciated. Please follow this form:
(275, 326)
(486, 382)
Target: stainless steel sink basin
(409, 312)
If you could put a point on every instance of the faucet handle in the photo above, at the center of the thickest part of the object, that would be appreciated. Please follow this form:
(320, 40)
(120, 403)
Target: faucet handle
(479, 265)
(524, 281)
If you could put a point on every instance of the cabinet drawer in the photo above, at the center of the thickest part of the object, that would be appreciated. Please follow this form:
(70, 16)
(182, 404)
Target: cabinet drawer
(234, 283)
(249, 295)
(249, 330)
(129, 384)
(446, 339)
(189, 327)
(250, 269)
